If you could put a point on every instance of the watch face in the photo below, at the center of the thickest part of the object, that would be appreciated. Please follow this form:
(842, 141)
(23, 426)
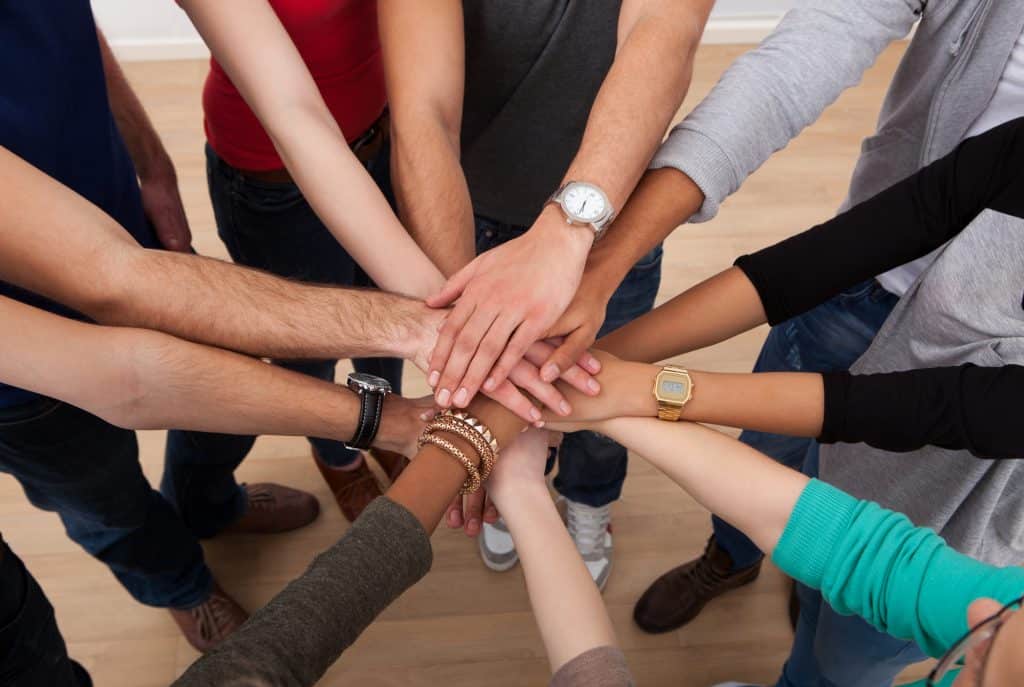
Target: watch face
(672, 387)
(368, 382)
(584, 202)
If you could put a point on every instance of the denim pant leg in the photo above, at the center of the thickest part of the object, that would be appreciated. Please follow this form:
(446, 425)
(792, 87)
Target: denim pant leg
(32, 650)
(88, 472)
(830, 337)
(592, 467)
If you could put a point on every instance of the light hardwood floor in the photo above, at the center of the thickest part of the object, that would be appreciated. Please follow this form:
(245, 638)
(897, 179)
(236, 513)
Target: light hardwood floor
(463, 625)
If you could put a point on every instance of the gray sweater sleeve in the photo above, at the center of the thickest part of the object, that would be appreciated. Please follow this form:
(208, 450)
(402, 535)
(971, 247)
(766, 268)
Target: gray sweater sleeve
(770, 94)
(604, 666)
(296, 637)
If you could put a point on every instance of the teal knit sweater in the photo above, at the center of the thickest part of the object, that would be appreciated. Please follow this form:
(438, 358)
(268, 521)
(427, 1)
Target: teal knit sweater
(875, 563)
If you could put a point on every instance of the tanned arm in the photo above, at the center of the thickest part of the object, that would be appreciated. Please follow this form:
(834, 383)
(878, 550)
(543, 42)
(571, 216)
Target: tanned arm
(141, 379)
(158, 182)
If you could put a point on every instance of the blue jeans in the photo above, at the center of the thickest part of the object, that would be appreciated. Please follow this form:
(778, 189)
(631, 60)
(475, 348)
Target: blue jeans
(88, 472)
(32, 651)
(592, 467)
(829, 649)
(269, 226)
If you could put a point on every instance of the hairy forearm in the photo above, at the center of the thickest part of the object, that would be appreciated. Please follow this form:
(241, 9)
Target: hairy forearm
(566, 604)
(730, 479)
(431, 190)
(714, 310)
(144, 145)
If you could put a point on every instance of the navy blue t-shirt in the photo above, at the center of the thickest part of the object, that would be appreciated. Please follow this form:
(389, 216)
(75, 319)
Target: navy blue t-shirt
(55, 115)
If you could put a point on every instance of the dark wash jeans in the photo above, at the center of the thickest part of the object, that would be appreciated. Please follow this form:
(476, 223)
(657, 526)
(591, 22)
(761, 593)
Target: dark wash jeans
(269, 226)
(32, 651)
(592, 467)
(88, 472)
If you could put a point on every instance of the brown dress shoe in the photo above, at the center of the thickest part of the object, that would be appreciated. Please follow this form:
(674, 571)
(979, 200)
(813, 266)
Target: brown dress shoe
(210, 623)
(392, 463)
(676, 597)
(352, 489)
(274, 508)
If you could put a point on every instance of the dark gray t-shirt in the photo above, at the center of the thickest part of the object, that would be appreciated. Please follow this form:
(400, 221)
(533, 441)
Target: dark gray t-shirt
(533, 70)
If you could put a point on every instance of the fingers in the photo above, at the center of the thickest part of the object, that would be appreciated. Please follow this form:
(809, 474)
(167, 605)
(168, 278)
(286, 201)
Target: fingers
(491, 513)
(515, 401)
(453, 288)
(488, 351)
(569, 352)
(449, 388)
(525, 376)
(473, 506)
(453, 325)
(526, 335)
(575, 376)
(453, 518)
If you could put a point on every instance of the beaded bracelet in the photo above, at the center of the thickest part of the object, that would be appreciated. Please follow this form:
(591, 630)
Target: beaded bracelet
(462, 429)
(473, 480)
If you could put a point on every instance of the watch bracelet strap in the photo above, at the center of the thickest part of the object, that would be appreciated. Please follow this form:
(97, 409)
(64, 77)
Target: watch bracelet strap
(371, 406)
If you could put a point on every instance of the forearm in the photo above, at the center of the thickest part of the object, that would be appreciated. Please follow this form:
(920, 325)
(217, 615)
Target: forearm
(144, 145)
(730, 479)
(714, 310)
(566, 604)
(256, 52)
(427, 486)
(664, 199)
(431, 191)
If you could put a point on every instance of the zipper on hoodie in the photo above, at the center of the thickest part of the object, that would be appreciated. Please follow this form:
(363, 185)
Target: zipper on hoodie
(958, 44)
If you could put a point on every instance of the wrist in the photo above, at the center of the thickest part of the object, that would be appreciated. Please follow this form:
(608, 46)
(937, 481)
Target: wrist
(574, 240)
(515, 494)
(637, 395)
(400, 426)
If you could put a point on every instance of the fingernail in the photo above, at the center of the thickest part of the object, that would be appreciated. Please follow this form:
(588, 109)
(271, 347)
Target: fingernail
(593, 385)
(474, 525)
(535, 414)
(549, 373)
(489, 384)
(434, 378)
(538, 425)
(443, 396)
(453, 520)
(424, 416)
(461, 397)
(564, 407)
(594, 365)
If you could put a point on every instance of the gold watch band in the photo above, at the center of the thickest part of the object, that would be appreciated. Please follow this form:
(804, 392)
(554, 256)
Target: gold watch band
(672, 409)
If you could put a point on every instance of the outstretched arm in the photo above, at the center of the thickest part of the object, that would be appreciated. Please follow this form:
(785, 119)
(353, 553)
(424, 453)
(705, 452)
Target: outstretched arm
(904, 222)
(147, 380)
(249, 41)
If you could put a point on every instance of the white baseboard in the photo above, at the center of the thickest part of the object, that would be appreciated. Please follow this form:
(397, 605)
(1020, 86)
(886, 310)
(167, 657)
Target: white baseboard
(740, 30)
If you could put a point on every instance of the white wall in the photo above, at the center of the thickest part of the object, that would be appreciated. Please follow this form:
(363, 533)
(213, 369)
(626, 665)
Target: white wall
(158, 29)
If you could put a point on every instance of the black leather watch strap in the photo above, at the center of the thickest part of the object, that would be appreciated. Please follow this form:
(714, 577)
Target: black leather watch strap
(371, 407)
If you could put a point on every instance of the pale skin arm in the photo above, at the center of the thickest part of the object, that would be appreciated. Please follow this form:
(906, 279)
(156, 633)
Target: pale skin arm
(513, 295)
(141, 379)
(566, 604)
(158, 182)
(249, 41)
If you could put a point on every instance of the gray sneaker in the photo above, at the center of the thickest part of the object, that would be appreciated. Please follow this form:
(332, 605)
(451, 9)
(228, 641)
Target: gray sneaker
(590, 529)
(497, 549)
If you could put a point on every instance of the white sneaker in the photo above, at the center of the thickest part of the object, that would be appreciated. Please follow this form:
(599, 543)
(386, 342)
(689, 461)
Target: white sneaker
(497, 549)
(590, 529)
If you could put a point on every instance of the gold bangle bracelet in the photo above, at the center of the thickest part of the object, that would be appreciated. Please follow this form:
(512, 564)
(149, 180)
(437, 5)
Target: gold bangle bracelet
(477, 425)
(474, 438)
(473, 480)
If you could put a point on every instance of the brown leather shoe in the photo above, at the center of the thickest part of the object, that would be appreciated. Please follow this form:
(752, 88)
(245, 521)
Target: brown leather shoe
(352, 489)
(390, 462)
(210, 623)
(274, 508)
(676, 597)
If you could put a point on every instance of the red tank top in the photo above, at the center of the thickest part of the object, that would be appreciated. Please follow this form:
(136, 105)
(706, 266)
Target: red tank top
(338, 40)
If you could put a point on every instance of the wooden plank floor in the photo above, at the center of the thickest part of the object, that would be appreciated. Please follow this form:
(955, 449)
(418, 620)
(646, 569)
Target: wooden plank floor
(464, 625)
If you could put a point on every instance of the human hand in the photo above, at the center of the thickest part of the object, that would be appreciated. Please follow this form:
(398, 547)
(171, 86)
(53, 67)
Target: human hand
(520, 466)
(626, 390)
(579, 324)
(508, 298)
(525, 375)
(161, 202)
(402, 422)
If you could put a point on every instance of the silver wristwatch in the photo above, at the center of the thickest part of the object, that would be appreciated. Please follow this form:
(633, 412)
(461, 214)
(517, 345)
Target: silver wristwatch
(585, 204)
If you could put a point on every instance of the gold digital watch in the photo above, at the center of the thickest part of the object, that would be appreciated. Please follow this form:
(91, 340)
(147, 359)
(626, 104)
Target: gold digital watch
(673, 388)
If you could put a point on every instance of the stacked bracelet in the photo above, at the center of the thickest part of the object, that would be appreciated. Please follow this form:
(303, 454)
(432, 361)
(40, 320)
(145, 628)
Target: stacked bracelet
(475, 433)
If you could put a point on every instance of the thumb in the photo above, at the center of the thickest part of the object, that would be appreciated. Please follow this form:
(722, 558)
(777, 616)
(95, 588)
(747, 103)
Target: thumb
(565, 356)
(452, 289)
